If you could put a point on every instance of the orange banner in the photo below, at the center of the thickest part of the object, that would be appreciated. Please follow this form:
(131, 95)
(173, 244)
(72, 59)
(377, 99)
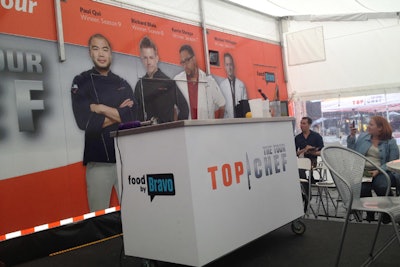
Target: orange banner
(252, 60)
(127, 29)
(28, 18)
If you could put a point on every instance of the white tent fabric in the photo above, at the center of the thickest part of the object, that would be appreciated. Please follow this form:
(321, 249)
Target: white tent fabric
(361, 58)
(305, 46)
(284, 8)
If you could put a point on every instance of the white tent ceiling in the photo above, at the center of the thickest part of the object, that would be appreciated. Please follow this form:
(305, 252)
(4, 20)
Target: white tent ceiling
(283, 8)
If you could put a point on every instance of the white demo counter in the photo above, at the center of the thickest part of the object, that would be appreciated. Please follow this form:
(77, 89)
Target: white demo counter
(193, 191)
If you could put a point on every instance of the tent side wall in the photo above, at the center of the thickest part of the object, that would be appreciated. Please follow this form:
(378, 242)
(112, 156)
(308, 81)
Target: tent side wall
(361, 57)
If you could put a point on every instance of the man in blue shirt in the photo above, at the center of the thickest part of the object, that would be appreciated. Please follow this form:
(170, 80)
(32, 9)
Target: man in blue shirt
(308, 144)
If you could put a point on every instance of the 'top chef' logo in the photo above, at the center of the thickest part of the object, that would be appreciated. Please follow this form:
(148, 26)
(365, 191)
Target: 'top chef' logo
(161, 184)
(271, 162)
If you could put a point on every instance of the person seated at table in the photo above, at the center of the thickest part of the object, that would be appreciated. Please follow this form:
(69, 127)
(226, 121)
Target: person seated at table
(308, 143)
(378, 145)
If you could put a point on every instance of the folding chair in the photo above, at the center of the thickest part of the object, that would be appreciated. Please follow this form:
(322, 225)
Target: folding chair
(324, 185)
(347, 167)
(305, 164)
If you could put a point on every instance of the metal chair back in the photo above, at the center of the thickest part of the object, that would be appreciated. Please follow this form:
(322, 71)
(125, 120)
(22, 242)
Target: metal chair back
(347, 168)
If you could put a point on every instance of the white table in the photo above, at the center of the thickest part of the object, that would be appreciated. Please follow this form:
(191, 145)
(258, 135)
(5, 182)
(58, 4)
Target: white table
(194, 191)
(394, 165)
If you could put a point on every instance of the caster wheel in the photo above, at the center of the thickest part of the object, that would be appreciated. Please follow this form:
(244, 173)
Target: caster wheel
(298, 227)
(149, 263)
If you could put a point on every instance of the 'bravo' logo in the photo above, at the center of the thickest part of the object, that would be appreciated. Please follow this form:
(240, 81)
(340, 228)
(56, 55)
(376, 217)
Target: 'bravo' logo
(160, 184)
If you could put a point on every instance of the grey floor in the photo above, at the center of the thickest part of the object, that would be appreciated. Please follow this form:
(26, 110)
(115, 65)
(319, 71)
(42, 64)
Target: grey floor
(318, 245)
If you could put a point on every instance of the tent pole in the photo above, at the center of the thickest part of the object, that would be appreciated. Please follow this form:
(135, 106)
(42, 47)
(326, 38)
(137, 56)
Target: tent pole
(205, 39)
(60, 32)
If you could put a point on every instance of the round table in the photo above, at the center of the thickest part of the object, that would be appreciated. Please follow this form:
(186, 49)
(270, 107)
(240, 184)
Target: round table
(394, 165)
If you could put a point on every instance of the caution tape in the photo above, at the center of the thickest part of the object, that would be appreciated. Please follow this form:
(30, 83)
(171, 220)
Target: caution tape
(57, 223)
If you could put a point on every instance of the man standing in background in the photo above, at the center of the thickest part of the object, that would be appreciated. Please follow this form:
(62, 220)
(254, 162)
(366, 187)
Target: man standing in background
(232, 88)
(101, 100)
(158, 95)
(201, 91)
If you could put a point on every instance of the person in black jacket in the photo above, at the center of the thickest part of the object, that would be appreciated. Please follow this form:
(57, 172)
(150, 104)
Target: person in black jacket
(101, 100)
(158, 95)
